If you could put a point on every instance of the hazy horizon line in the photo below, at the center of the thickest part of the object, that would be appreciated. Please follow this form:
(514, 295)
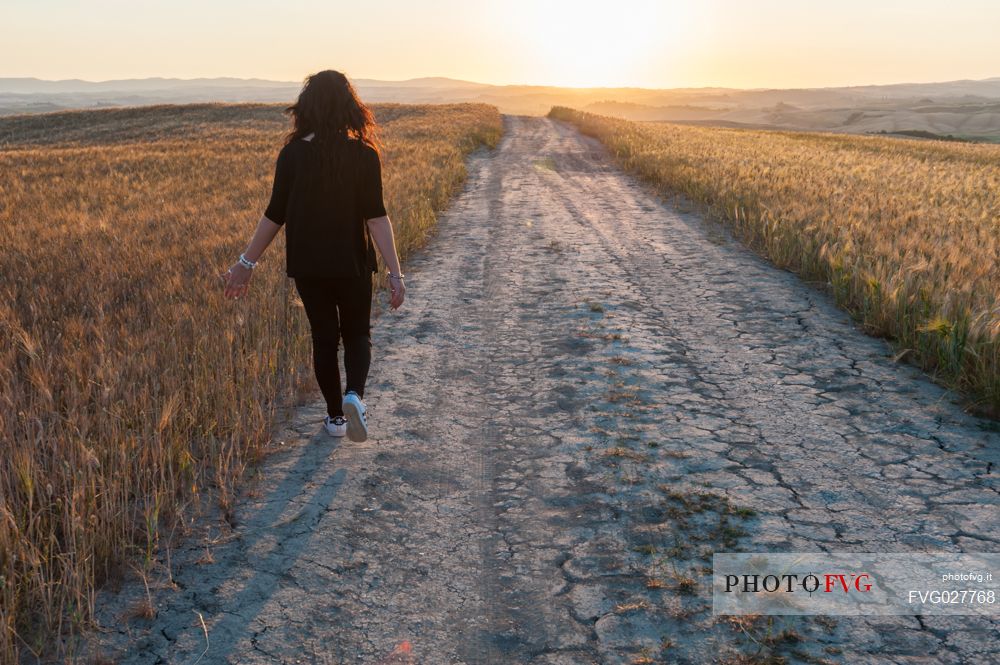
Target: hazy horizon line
(501, 85)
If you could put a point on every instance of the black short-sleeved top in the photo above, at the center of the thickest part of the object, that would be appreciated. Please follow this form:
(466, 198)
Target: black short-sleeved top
(325, 232)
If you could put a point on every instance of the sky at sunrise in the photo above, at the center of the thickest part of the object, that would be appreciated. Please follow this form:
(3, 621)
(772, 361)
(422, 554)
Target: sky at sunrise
(666, 43)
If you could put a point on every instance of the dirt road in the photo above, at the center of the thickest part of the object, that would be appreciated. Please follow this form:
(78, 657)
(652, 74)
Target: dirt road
(585, 394)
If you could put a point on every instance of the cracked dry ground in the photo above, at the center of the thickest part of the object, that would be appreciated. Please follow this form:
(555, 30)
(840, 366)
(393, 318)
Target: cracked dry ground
(586, 393)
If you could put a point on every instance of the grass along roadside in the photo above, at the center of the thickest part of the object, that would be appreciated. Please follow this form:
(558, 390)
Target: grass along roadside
(129, 388)
(906, 233)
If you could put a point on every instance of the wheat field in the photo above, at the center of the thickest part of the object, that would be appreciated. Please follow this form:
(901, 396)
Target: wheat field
(131, 392)
(905, 233)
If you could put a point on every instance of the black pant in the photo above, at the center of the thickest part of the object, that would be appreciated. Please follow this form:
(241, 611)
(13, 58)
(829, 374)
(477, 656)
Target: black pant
(339, 308)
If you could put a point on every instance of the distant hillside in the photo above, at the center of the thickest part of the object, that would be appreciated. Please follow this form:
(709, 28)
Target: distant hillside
(971, 121)
(27, 95)
(966, 108)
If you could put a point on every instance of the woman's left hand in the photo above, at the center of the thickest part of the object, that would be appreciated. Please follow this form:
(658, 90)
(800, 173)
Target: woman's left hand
(237, 280)
(397, 291)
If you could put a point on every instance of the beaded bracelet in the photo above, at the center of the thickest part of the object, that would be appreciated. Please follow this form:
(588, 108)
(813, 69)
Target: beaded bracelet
(247, 263)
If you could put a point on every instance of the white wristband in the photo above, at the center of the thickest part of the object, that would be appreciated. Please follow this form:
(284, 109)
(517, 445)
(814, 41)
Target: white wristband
(247, 263)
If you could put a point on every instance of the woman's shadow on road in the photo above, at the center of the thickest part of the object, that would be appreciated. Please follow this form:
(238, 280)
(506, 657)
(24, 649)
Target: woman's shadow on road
(227, 596)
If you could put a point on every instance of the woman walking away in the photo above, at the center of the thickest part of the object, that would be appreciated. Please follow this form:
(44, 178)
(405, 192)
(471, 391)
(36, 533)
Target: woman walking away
(327, 193)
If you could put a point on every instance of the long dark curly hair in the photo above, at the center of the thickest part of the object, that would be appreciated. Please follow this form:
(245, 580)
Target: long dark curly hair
(329, 106)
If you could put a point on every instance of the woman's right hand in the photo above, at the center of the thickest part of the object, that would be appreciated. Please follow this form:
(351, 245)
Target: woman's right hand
(237, 280)
(397, 291)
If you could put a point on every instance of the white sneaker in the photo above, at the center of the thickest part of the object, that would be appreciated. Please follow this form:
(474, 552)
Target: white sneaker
(357, 422)
(336, 426)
